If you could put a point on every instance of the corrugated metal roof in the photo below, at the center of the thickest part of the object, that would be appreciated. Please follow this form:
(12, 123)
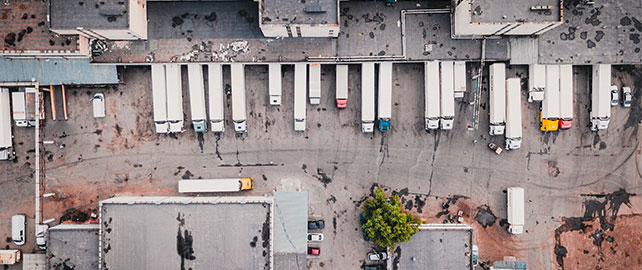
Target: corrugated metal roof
(290, 222)
(56, 71)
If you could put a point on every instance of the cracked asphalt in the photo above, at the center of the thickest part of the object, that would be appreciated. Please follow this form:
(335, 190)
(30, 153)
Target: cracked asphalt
(332, 160)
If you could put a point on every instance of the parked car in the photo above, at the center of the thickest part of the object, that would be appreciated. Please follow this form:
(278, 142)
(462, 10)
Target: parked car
(315, 237)
(475, 255)
(41, 236)
(99, 105)
(316, 225)
(314, 251)
(614, 95)
(626, 97)
(377, 256)
(18, 225)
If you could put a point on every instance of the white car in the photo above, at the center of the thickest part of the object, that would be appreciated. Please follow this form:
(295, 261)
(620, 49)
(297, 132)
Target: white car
(377, 256)
(315, 237)
(41, 235)
(626, 97)
(99, 105)
(18, 224)
(614, 95)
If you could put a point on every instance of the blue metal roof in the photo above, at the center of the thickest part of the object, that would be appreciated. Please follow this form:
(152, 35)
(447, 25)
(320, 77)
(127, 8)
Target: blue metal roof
(290, 222)
(56, 71)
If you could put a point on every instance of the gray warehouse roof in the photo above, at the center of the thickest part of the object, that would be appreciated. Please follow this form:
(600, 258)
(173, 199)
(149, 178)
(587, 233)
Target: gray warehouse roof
(504, 11)
(299, 11)
(438, 246)
(186, 233)
(56, 71)
(91, 14)
(73, 246)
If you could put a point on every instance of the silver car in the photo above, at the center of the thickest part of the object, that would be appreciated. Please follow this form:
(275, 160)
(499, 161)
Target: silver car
(614, 96)
(626, 97)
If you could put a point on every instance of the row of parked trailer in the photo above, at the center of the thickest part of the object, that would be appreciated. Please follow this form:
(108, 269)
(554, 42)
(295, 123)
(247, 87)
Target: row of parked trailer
(444, 82)
(19, 105)
(553, 86)
(505, 112)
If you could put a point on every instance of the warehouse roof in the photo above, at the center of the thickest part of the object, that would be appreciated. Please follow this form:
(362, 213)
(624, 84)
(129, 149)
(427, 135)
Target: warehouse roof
(299, 12)
(92, 14)
(438, 246)
(186, 232)
(290, 229)
(504, 11)
(73, 246)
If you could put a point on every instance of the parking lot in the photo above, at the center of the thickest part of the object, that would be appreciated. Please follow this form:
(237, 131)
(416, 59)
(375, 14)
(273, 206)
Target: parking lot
(94, 159)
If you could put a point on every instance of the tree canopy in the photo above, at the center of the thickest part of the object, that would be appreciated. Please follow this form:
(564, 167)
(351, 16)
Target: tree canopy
(386, 224)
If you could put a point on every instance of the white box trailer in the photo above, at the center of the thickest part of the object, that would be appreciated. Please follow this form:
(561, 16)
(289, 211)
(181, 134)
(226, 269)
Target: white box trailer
(497, 98)
(214, 185)
(536, 82)
(315, 84)
(601, 97)
(197, 97)
(460, 79)
(551, 102)
(24, 106)
(216, 97)
(566, 96)
(432, 95)
(447, 100)
(6, 137)
(159, 97)
(342, 86)
(515, 199)
(513, 114)
(300, 83)
(367, 97)
(384, 104)
(174, 98)
(239, 115)
(274, 70)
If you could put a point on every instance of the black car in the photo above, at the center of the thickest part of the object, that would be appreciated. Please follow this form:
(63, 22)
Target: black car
(316, 225)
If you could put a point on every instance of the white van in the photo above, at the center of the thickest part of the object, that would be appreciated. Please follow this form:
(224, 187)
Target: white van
(18, 224)
(99, 105)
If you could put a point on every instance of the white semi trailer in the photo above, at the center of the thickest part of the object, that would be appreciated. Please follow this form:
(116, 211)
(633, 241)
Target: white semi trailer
(216, 97)
(460, 79)
(600, 97)
(197, 97)
(447, 100)
(239, 115)
(300, 82)
(551, 102)
(315, 84)
(159, 97)
(367, 97)
(566, 96)
(384, 95)
(274, 70)
(513, 114)
(536, 82)
(6, 137)
(497, 98)
(174, 98)
(342, 86)
(516, 220)
(431, 90)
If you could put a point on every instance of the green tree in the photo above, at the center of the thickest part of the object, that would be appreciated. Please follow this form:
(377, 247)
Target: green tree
(386, 224)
